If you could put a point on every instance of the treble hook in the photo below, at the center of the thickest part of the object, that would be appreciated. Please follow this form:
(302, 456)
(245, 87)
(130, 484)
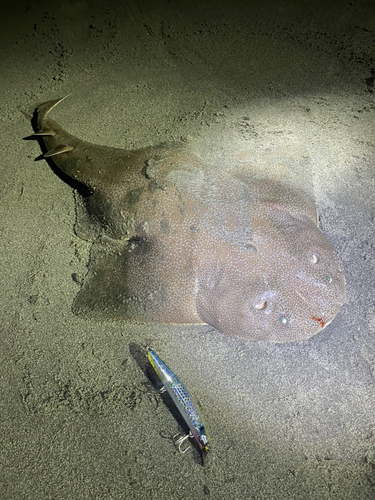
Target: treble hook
(180, 440)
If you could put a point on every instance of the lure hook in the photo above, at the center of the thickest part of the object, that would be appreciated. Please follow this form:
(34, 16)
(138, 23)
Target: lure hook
(180, 440)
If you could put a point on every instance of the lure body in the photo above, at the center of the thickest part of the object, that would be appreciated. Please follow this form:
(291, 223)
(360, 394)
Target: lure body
(181, 399)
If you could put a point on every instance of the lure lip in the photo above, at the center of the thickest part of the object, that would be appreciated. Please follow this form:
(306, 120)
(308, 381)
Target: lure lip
(182, 400)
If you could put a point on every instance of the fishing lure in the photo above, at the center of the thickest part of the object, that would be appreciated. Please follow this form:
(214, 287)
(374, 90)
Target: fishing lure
(182, 400)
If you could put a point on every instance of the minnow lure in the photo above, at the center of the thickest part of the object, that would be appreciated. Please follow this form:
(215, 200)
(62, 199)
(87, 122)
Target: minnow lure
(182, 400)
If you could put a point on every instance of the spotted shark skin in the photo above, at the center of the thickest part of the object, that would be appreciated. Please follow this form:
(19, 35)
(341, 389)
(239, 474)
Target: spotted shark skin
(183, 242)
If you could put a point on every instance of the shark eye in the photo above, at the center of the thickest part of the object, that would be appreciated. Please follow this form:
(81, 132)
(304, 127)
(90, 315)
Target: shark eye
(261, 306)
(314, 259)
(283, 320)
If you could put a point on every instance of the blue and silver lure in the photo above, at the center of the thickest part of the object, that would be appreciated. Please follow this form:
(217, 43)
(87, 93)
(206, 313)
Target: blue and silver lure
(182, 400)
